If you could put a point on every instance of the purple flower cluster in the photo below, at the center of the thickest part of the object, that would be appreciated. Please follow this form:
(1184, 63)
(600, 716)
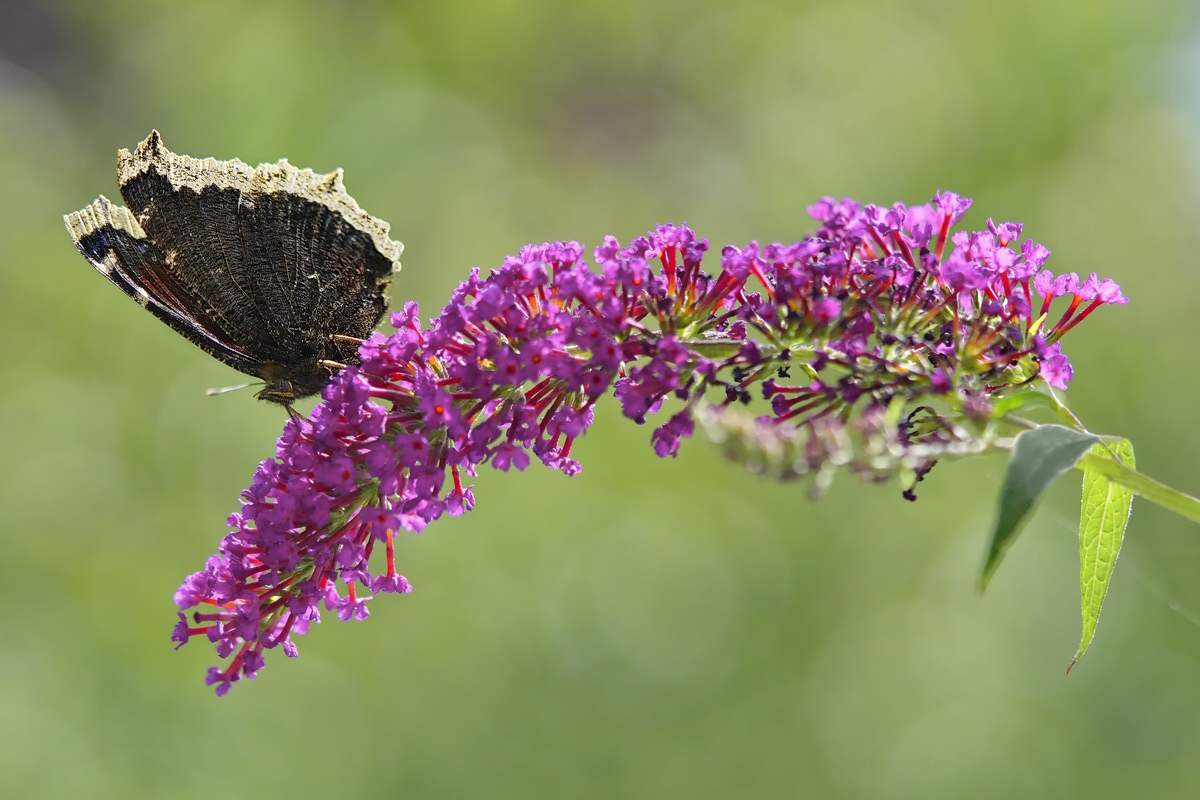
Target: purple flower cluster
(866, 311)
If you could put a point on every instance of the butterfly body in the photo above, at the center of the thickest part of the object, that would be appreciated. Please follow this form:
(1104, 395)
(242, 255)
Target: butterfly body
(263, 268)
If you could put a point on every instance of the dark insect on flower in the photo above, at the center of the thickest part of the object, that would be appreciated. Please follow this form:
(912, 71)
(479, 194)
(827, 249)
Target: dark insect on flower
(273, 270)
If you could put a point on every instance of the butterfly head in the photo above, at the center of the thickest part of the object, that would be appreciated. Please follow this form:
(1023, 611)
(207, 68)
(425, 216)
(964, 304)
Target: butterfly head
(287, 383)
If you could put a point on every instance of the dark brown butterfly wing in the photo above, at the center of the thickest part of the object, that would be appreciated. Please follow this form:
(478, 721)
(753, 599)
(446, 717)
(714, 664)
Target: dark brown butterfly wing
(260, 267)
(110, 239)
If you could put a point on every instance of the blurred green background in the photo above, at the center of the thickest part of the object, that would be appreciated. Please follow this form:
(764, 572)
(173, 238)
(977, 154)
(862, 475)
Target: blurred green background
(650, 628)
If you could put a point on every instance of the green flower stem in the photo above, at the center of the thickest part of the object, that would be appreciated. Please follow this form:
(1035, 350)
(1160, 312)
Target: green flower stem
(1144, 486)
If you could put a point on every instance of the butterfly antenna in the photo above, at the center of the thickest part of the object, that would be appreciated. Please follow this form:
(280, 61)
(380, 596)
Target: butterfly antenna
(341, 337)
(227, 389)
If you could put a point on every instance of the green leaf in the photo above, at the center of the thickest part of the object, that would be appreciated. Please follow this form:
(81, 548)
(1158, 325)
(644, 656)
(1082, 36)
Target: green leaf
(1039, 456)
(1019, 399)
(1103, 516)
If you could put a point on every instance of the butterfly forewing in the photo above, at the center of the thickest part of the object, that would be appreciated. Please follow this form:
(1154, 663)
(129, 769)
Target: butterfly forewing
(260, 267)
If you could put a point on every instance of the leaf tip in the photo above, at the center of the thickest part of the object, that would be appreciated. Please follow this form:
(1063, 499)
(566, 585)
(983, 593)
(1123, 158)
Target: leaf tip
(985, 577)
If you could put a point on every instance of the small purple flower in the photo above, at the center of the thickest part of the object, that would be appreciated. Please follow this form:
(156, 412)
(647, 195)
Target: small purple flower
(1005, 231)
(460, 501)
(827, 309)
(665, 439)
(437, 407)
(336, 475)
(1056, 369)
(391, 584)
(509, 456)
(352, 608)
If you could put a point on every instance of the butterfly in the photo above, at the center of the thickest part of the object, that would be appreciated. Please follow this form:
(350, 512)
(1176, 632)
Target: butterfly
(272, 270)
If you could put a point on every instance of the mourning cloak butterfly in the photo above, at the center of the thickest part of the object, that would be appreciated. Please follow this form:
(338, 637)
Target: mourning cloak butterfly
(265, 269)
